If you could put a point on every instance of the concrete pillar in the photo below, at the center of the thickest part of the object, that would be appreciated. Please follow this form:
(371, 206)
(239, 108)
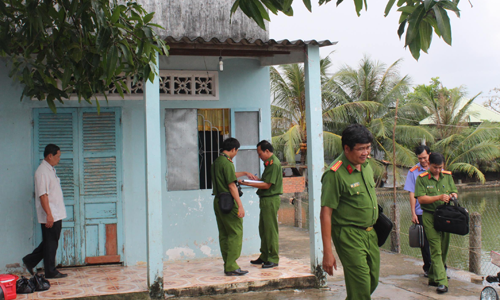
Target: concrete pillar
(315, 157)
(153, 188)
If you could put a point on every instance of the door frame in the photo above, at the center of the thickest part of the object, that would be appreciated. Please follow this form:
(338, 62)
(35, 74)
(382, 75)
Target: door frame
(79, 236)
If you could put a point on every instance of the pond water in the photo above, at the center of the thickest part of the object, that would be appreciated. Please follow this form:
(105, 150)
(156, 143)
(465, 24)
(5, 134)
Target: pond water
(484, 201)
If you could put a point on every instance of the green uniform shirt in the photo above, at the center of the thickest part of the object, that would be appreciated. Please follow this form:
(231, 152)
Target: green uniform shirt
(350, 193)
(223, 174)
(273, 174)
(427, 185)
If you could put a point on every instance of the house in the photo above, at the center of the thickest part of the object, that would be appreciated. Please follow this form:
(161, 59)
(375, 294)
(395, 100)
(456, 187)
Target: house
(136, 177)
(477, 114)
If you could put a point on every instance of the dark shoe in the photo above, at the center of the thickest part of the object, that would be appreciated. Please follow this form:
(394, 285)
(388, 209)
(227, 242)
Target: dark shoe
(448, 277)
(58, 275)
(269, 264)
(29, 269)
(442, 289)
(426, 274)
(432, 283)
(237, 272)
(258, 261)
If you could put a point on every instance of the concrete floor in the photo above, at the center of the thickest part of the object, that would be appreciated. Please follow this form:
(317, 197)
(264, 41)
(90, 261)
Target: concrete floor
(401, 277)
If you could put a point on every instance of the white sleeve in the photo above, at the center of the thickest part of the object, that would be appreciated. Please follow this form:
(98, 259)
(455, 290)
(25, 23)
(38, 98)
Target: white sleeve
(42, 184)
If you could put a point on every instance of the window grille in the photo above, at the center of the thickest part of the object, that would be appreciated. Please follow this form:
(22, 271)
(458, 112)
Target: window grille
(213, 128)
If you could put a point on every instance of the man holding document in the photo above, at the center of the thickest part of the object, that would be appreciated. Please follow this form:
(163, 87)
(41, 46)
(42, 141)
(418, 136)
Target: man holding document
(270, 187)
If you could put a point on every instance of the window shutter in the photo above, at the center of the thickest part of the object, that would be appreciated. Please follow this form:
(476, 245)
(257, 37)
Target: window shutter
(60, 129)
(101, 184)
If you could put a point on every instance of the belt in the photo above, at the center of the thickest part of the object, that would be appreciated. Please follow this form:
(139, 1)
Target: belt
(364, 228)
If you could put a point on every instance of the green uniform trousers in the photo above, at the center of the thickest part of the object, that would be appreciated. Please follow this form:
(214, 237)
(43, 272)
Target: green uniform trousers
(439, 242)
(360, 256)
(268, 228)
(230, 236)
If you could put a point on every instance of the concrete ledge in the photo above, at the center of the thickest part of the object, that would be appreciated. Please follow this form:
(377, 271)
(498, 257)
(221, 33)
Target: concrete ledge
(242, 287)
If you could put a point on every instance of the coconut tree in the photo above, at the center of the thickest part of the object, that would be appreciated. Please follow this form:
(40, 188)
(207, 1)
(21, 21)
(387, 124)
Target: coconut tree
(288, 110)
(472, 150)
(448, 108)
(377, 87)
(467, 148)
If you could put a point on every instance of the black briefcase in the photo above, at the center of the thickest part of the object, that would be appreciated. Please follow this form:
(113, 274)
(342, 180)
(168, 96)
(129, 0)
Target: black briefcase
(451, 218)
(383, 227)
(416, 236)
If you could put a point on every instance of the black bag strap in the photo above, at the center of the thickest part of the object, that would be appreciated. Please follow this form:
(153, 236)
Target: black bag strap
(454, 200)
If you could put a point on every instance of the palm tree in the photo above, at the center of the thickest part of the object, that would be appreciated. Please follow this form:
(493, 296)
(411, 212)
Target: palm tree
(467, 149)
(289, 107)
(447, 108)
(471, 150)
(377, 88)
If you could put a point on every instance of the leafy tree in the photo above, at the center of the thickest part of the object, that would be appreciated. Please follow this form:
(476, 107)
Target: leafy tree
(419, 18)
(288, 110)
(378, 87)
(59, 47)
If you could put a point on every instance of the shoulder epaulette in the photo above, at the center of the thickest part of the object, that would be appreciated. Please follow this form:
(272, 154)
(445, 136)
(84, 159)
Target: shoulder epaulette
(423, 174)
(446, 172)
(336, 166)
(414, 168)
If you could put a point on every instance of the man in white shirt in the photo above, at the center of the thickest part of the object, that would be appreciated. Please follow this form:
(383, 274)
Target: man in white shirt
(50, 211)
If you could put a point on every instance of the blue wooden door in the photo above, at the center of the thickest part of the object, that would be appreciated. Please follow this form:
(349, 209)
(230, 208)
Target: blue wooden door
(61, 129)
(101, 185)
(90, 178)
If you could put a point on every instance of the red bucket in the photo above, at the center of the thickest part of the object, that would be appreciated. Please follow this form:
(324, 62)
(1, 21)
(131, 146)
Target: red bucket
(8, 284)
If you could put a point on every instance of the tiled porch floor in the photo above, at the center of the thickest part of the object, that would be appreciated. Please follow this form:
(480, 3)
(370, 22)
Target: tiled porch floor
(196, 274)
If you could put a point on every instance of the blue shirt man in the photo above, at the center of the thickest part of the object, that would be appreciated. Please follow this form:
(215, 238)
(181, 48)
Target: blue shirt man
(422, 153)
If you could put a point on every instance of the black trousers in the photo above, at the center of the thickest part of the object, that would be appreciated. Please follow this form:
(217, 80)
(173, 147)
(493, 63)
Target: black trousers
(46, 250)
(425, 250)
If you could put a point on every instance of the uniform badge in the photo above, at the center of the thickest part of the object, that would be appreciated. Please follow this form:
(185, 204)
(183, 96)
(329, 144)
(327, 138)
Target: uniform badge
(356, 184)
(271, 161)
(430, 186)
(415, 168)
(349, 168)
(336, 166)
(266, 163)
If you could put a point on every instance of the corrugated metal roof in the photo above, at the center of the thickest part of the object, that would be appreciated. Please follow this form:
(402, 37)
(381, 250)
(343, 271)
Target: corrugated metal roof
(248, 42)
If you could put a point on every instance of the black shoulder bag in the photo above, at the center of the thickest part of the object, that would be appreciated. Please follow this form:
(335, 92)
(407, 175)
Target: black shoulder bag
(451, 218)
(383, 226)
(226, 200)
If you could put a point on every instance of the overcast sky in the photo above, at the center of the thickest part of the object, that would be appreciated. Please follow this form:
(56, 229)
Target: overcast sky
(473, 60)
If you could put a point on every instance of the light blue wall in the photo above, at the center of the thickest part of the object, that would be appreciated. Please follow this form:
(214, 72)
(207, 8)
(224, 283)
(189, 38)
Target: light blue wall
(189, 226)
(16, 178)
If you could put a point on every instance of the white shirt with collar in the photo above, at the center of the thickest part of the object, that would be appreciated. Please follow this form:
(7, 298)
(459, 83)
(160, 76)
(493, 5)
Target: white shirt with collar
(47, 182)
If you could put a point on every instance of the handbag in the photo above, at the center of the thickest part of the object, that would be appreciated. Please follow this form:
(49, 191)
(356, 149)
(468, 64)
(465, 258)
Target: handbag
(416, 236)
(226, 200)
(451, 218)
(383, 226)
